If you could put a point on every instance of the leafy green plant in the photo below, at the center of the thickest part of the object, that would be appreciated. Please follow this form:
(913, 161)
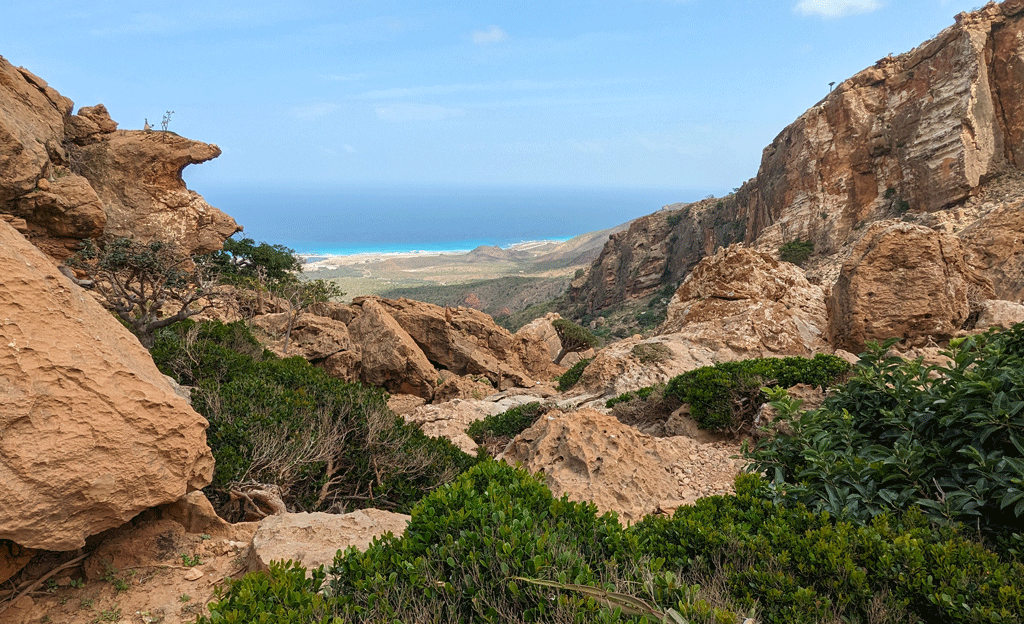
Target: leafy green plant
(796, 251)
(507, 424)
(322, 441)
(189, 561)
(727, 395)
(573, 337)
(946, 439)
(571, 377)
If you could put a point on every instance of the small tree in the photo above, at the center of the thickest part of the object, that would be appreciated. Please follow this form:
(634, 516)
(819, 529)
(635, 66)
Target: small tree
(138, 281)
(301, 295)
(260, 267)
(573, 338)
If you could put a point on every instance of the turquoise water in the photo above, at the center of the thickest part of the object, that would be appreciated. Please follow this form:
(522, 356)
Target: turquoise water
(431, 218)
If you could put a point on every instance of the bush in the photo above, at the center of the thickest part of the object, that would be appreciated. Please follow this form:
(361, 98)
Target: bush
(796, 251)
(727, 395)
(946, 439)
(642, 395)
(572, 376)
(507, 424)
(650, 352)
(573, 337)
(324, 442)
(471, 542)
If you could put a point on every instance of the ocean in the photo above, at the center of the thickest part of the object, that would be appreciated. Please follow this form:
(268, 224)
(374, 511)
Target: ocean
(382, 219)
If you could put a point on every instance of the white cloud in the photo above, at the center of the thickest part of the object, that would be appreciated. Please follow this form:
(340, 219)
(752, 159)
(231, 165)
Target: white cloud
(836, 8)
(493, 34)
(417, 112)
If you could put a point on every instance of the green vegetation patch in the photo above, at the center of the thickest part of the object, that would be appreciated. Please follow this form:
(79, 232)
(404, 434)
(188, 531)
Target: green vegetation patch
(796, 251)
(948, 440)
(571, 377)
(471, 544)
(327, 444)
(726, 396)
(651, 352)
(507, 424)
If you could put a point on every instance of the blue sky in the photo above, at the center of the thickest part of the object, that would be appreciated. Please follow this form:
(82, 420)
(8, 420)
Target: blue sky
(624, 93)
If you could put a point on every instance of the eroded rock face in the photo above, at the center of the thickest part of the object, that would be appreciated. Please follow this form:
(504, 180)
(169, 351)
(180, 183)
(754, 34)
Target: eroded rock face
(92, 433)
(73, 177)
(389, 357)
(902, 281)
(537, 345)
(593, 457)
(313, 539)
(746, 301)
(461, 340)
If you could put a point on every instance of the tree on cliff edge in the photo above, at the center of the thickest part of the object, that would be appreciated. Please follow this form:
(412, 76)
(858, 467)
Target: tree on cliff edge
(147, 285)
(573, 338)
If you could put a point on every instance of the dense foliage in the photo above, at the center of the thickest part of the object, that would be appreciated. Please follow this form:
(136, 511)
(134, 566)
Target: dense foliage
(471, 543)
(796, 251)
(244, 261)
(326, 443)
(571, 377)
(947, 439)
(727, 395)
(573, 337)
(139, 281)
(507, 424)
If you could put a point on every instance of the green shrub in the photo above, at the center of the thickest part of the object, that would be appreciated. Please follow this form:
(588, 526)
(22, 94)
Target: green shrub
(642, 394)
(325, 442)
(796, 251)
(572, 376)
(801, 566)
(649, 352)
(727, 395)
(946, 439)
(283, 595)
(574, 338)
(507, 424)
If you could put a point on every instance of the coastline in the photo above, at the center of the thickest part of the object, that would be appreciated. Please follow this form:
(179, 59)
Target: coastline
(327, 261)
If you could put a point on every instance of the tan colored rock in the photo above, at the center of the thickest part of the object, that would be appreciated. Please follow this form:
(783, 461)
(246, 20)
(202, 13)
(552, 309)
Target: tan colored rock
(100, 116)
(537, 345)
(998, 313)
(452, 418)
(904, 281)
(616, 369)
(389, 356)
(313, 337)
(92, 432)
(593, 457)
(195, 514)
(461, 340)
(456, 387)
(63, 215)
(13, 558)
(137, 175)
(313, 539)
(995, 247)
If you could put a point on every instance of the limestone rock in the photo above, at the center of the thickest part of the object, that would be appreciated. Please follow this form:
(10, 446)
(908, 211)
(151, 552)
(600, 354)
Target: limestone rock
(313, 539)
(998, 313)
(92, 432)
(390, 357)
(461, 340)
(616, 369)
(314, 337)
(593, 457)
(745, 301)
(13, 558)
(456, 387)
(537, 345)
(137, 175)
(995, 246)
(903, 281)
(452, 418)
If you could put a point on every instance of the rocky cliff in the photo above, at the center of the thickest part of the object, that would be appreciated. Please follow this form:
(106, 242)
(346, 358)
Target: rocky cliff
(66, 177)
(923, 135)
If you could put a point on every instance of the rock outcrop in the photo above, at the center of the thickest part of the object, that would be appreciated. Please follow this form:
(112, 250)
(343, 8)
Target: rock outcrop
(746, 301)
(313, 539)
(92, 432)
(72, 177)
(903, 281)
(918, 133)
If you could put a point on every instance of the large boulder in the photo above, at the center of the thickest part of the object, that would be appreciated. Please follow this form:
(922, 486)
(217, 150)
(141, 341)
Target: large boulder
(995, 248)
(593, 457)
(390, 356)
(537, 345)
(745, 302)
(625, 366)
(461, 340)
(313, 539)
(903, 281)
(92, 432)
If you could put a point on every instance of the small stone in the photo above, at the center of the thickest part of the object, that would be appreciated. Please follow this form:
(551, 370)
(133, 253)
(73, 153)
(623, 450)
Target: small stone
(193, 574)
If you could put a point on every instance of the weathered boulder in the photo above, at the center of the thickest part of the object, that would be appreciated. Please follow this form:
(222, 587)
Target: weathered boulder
(314, 337)
(313, 539)
(902, 281)
(999, 313)
(995, 248)
(537, 345)
(389, 356)
(745, 301)
(621, 367)
(452, 418)
(92, 433)
(593, 457)
(461, 340)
